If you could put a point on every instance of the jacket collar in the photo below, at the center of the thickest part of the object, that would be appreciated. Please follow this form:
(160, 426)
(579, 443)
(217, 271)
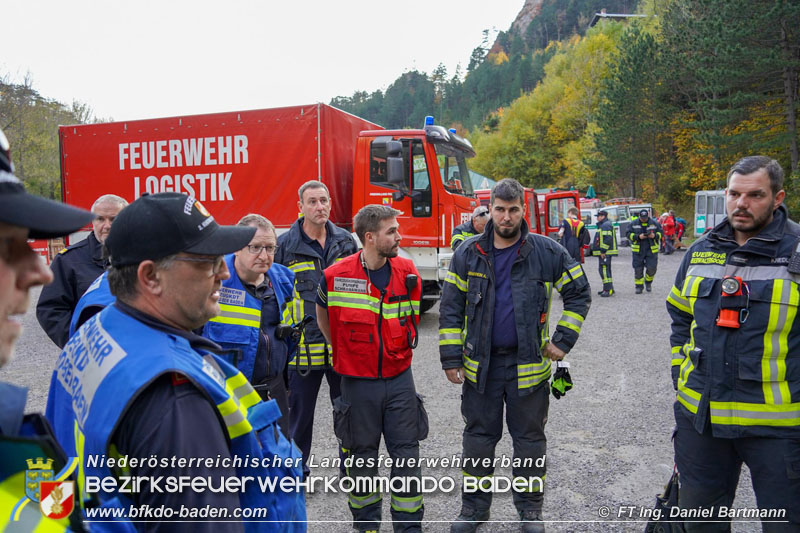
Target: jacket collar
(96, 249)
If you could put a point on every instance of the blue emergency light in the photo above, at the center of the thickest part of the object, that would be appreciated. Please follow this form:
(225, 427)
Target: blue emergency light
(429, 120)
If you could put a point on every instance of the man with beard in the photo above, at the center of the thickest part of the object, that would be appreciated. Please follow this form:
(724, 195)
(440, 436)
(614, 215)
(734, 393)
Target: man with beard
(736, 355)
(74, 270)
(367, 307)
(495, 340)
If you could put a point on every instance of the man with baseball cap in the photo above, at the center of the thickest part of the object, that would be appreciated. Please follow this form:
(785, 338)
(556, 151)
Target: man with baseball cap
(24, 216)
(135, 380)
(474, 226)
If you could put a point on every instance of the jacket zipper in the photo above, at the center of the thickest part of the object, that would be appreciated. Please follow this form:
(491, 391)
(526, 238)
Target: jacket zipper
(380, 335)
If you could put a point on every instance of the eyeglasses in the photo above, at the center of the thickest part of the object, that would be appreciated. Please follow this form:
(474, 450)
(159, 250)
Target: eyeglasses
(255, 249)
(217, 262)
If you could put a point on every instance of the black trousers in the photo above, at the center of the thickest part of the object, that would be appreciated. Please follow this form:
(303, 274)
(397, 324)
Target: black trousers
(604, 267)
(525, 415)
(709, 468)
(645, 265)
(303, 402)
(368, 409)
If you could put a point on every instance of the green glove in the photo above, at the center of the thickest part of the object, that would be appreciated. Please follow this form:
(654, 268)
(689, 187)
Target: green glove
(562, 381)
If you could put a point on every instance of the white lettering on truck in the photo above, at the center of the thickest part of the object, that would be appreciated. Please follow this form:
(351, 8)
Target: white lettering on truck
(177, 153)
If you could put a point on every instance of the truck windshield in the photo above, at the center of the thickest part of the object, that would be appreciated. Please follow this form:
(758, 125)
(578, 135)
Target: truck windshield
(453, 169)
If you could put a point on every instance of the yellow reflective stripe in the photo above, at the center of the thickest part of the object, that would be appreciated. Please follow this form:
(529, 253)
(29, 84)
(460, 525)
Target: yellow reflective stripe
(782, 312)
(570, 275)
(353, 301)
(450, 336)
(677, 300)
(677, 351)
(470, 364)
(241, 390)
(459, 237)
(287, 317)
(529, 375)
(235, 421)
(359, 502)
(688, 398)
(410, 504)
(452, 277)
(237, 315)
(79, 451)
(571, 320)
(302, 266)
(754, 414)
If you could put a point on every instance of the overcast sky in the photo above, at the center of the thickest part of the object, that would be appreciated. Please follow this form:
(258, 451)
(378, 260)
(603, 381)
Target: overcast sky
(153, 58)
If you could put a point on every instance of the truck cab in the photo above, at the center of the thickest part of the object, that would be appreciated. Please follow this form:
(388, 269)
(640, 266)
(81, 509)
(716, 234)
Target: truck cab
(424, 174)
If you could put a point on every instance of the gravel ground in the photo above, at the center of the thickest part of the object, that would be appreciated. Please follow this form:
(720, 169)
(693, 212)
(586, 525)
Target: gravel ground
(608, 439)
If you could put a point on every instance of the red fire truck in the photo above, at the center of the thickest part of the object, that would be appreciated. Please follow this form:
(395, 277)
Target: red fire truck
(254, 161)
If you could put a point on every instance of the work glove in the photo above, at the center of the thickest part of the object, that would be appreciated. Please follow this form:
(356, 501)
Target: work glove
(562, 381)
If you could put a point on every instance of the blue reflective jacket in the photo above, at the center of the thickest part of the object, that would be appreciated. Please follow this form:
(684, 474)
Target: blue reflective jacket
(112, 358)
(238, 326)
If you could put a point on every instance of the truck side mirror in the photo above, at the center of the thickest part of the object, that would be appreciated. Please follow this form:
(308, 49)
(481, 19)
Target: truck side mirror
(394, 163)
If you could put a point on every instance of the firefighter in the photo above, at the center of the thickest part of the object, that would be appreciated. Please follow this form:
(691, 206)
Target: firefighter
(494, 339)
(136, 380)
(311, 245)
(74, 269)
(573, 234)
(470, 228)
(645, 235)
(604, 247)
(368, 307)
(735, 358)
(24, 216)
(254, 301)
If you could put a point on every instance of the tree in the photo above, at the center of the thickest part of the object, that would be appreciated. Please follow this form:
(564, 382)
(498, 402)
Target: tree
(633, 118)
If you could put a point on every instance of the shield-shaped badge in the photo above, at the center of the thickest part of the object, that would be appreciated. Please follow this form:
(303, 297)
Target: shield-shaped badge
(38, 470)
(57, 499)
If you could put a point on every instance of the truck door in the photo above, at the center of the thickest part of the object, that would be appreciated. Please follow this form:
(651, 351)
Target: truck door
(556, 205)
(418, 207)
(532, 211)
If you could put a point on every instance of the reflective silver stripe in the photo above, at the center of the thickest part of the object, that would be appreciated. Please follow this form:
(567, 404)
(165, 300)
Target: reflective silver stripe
(242, 315)
(567, 319)
(706, 271)
(369, 499)
(723, 412)
(363, 302)
(688, 399)
(775, 340)
(407, 505)
(233, 418)
(242, 390)
(450, 337)
(765, 272)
